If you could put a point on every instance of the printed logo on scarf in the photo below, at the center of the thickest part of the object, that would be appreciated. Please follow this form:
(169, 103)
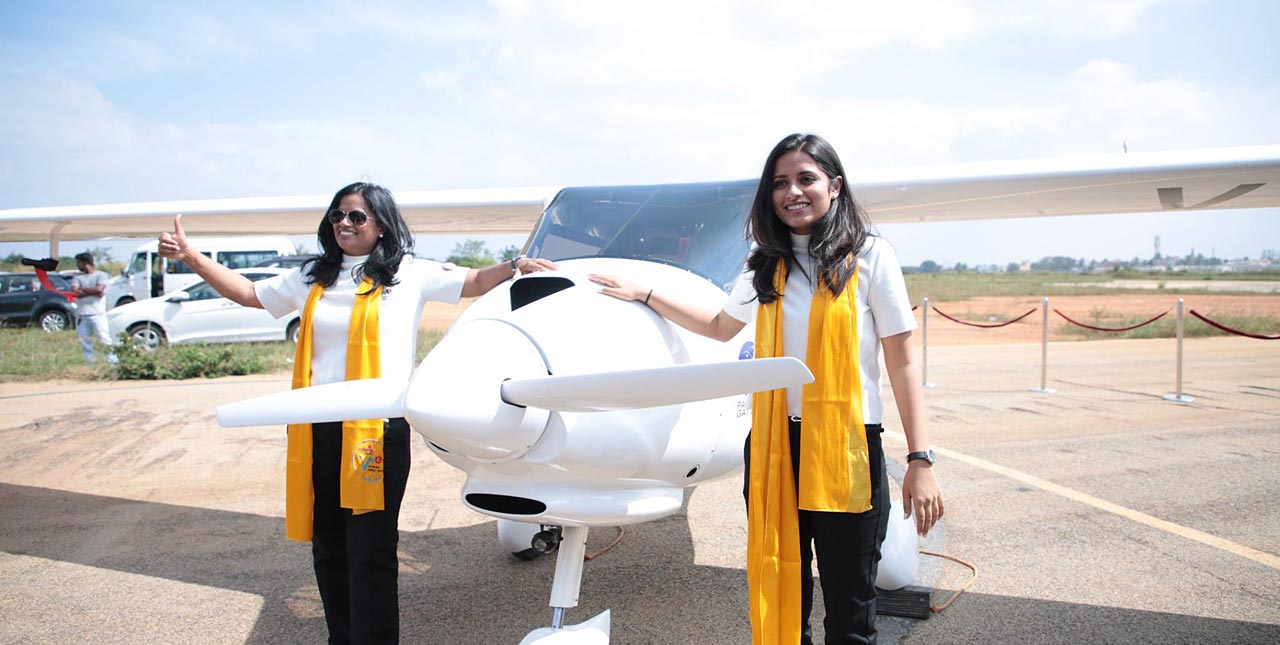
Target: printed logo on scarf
(367, 460)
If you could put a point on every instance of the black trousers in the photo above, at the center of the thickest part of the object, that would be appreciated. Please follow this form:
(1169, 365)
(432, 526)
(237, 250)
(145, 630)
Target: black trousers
(355, 555)
(848, 550)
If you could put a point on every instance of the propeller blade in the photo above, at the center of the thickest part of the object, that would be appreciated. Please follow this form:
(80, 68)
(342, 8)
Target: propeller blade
(655, 387)
(373, 398)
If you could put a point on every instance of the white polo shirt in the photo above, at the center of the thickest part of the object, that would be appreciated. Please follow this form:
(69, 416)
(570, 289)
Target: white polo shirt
(884, 309)
(398, 317)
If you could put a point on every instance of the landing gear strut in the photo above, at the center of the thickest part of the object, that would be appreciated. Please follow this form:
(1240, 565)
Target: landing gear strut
(564, 595)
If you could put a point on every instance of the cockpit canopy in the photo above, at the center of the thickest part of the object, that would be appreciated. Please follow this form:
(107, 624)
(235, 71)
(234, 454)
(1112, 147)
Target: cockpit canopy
(698, 227)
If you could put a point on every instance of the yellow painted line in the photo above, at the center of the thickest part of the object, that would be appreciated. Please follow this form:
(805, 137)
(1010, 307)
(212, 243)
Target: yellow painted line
(1261, 557)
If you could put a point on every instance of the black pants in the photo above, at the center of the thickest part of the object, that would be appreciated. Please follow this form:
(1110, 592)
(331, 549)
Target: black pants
(848, 549)
(355, 555)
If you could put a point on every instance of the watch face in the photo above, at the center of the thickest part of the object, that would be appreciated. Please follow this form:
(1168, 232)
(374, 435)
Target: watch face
(926, 455)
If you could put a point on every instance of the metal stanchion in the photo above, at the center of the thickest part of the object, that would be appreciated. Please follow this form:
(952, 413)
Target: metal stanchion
(1044, 352)
(924, 349)
(1179, 397)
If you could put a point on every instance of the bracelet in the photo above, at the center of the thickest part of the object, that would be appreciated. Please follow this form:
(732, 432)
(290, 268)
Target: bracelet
(646, 297)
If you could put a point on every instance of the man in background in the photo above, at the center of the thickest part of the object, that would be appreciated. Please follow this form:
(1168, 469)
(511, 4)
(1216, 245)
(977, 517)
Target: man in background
(91, 313)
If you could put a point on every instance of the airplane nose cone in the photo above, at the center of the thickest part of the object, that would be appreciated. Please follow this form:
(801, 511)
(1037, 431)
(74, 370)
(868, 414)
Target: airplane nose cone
(455, 396)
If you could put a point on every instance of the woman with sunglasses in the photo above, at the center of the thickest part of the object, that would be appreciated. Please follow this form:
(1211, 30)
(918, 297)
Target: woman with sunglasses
(828, 292)
(361, 300)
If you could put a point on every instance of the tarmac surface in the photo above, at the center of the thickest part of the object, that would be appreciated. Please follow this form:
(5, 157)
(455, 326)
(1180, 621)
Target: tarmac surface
(1100, 513)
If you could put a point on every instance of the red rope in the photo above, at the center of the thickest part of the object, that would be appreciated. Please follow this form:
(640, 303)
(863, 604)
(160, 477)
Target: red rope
(1232, 331)
(1080, 324)
(992, 326)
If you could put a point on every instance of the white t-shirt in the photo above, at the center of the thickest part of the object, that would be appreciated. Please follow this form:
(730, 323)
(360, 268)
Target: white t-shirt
(398, 316)
(89, 305)
(884, 309)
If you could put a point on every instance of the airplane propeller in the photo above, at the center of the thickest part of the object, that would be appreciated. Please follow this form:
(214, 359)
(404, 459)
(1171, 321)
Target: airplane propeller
(618, 390)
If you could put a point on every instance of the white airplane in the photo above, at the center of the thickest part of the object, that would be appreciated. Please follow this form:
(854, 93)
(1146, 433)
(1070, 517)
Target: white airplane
(569, 410)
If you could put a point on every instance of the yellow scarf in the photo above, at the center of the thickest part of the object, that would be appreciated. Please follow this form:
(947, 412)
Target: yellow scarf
(361, 476)
(834, 469)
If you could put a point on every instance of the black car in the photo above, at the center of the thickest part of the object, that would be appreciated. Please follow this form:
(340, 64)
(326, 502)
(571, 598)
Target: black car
(23, 301)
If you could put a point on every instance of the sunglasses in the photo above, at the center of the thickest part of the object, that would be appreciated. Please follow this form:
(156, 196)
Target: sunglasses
(357, 216)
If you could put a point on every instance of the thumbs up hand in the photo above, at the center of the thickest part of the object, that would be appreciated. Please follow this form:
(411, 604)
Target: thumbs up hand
(173, 245)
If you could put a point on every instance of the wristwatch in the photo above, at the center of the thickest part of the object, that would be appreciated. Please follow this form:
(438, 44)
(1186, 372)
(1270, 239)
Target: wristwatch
(926, 455)
(513, 263)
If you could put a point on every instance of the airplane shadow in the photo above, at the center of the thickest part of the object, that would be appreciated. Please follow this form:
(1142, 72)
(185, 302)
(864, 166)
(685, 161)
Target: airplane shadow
(986, 618)
(457, 585)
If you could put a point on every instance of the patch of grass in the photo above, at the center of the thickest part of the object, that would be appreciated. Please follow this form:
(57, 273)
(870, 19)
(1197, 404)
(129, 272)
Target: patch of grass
(952, 286)
(427, 340)
(963, 285)
(198, 360)
(1167, 327)
(31, 354)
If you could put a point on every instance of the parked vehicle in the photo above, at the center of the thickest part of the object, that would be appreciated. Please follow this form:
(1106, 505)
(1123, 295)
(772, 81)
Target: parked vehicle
(285, 261)
(198, 314)
(24, 301)
(148, 275)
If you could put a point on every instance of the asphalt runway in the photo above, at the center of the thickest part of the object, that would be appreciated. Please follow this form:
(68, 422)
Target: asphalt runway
(1099, 514)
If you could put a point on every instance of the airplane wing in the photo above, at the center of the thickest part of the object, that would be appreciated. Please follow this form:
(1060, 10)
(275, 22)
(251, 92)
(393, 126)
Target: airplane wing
(1221, 178)
(1247, 177)
(488, 211)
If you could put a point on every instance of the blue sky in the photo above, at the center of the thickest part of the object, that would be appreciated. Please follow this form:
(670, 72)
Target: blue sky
(142, 101)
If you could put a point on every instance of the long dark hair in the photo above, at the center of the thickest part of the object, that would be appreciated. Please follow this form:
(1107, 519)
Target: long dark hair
(384, 259)
(837, 236)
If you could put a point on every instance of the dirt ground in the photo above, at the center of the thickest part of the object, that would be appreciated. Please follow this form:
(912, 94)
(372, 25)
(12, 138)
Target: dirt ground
(1101, 513)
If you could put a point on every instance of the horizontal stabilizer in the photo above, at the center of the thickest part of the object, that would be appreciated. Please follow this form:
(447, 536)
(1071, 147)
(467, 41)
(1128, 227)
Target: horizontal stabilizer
(649, 388)
(373, 398)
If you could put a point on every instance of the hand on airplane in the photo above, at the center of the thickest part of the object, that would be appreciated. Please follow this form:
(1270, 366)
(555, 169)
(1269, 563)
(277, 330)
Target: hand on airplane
(533, 265)
(921, 496)
(172, 245)
(618, 288)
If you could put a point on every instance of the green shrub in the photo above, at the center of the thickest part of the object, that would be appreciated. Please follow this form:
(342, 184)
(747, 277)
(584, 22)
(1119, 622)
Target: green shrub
(200, 360)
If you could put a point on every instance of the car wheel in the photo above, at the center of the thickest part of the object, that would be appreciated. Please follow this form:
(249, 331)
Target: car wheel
(147, 336)
(291, 334)
(124, 301)
(54, 320)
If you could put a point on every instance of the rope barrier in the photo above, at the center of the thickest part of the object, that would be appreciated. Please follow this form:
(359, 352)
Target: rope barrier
(591, 556)
(991, 326)
(938, 608)
(1230, 330)
(1113, 329)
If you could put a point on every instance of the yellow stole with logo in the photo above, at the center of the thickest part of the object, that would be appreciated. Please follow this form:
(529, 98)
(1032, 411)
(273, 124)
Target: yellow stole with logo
(834, 466)
(362, 466)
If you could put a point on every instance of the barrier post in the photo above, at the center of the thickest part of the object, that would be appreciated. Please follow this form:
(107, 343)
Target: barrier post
(1044, 352)
(924, 343)
(1178, 396)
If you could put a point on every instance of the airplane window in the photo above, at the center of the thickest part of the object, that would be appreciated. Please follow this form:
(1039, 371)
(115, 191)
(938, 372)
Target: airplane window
(699, 227)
